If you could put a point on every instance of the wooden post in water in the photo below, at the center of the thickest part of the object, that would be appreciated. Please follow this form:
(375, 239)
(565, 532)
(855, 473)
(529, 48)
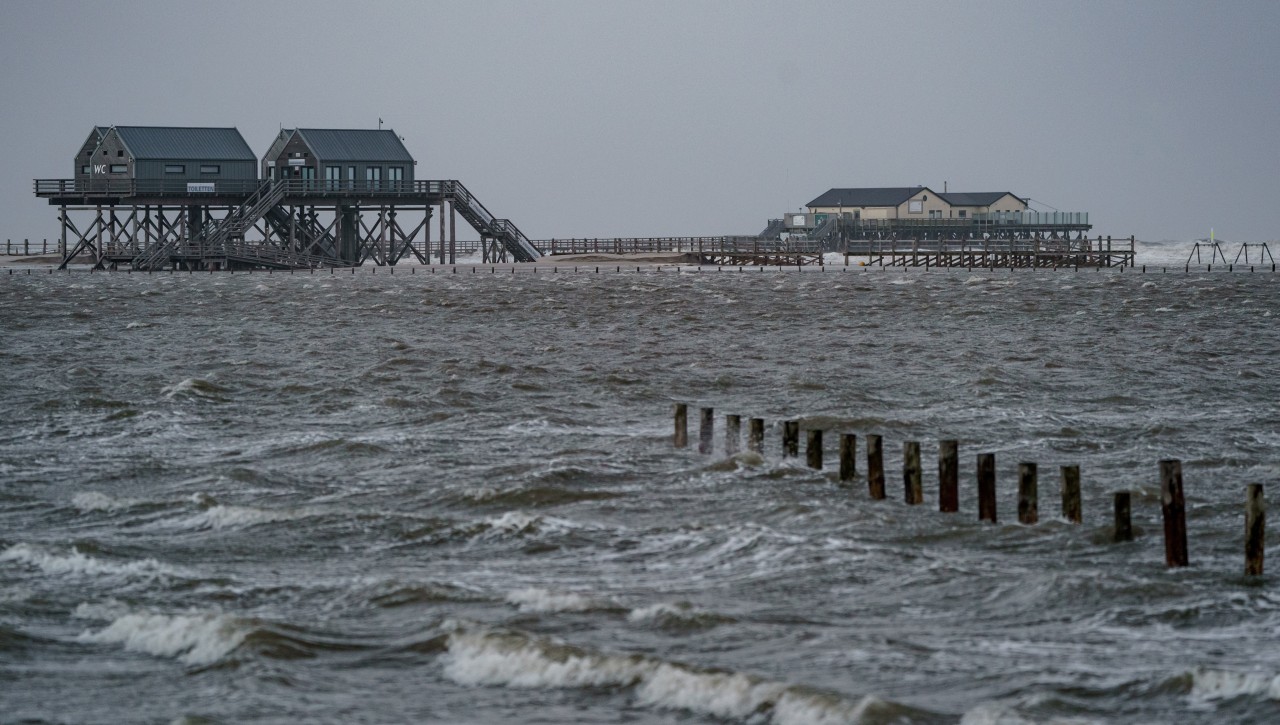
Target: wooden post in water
(875, 467)
(732, 434)
(1174, 510)
(755, 435)
(813, 450)
(912, 482)
(790, 438)
(987, 487)
(1071, 494)
(848, 456)
(949, 476)
(1028, 494)
(1124, 524)
(1255, 529)
(707, 430)
(682, 425)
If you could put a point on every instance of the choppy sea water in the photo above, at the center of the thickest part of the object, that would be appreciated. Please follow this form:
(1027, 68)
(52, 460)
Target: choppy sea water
(454, 498)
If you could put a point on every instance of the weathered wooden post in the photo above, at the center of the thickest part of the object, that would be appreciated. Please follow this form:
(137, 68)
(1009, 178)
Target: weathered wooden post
(987, 487)
(707, 430)
(912, 482)
(1028, 494)
(875, 467)
(848, 456)
(1071, 494)
(790, 438)
(948, 476)
(813, 449)
(732, 434)
(1174, 510)
(1255, 529)
(755, 435)
(682, 425)
(1124, 525)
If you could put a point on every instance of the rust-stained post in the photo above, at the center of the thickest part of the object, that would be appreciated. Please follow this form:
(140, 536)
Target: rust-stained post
(1174, 510)
(875, 467)
(790, 438)
(1028, 494)
(949, 476)
(707, 430)
(755, 435)
(682, 425)
(912, 483)
(848, 456)
(1071, 494)
(1255, 529)
(732, 434)
(813, 449)
(987, 487)
(1124, 524)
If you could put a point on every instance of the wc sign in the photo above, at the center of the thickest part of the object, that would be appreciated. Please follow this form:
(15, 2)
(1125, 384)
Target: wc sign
(99, 168)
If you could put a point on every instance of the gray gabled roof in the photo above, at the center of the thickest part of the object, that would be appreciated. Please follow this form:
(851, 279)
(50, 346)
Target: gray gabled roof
(878, 196)
(173, 142)
(977, 198)
(331, 144)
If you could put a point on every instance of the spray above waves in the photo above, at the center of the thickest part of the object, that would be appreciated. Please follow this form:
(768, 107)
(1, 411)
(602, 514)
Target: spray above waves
(75, 563)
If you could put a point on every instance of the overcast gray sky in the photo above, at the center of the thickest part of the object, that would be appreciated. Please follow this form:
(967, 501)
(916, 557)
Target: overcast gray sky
(1161, 119)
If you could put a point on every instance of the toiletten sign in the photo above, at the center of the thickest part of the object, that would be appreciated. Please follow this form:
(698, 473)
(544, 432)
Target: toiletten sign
(200, 188)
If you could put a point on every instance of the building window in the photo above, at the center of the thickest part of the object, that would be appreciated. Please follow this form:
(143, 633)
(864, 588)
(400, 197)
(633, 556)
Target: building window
(395, 173)
(120, 152)
(175, 169)
(119, 168)
(210, 169)
(915, 206)
(84, 169)
(963, 213)
(351, 173)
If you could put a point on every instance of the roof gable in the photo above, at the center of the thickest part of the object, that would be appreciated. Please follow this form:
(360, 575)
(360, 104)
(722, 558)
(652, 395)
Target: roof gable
(330, 144)
(876, 196)
(977, 198)
(171, 142)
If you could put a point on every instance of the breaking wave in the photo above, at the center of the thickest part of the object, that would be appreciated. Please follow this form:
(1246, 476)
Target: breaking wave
(75, 563)
(194, 639)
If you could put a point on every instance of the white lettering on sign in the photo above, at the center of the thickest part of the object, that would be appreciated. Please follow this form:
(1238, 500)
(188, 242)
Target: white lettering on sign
(199, 188)
(99, 168)
(297, 162)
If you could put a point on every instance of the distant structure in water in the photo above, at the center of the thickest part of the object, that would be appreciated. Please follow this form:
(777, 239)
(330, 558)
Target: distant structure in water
(156, 197)
(918, 212)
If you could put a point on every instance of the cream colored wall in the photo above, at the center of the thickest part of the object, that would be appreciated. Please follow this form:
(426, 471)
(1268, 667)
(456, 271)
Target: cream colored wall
(869, 212)
(931, 203)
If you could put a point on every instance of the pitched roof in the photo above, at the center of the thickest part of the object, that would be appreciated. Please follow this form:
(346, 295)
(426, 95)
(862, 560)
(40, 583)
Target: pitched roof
(331, 144)
(977, 198)
(172, 142)
(878, 196)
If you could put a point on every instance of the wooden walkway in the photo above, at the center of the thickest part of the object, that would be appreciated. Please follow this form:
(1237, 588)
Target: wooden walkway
(1004, 253)
(728, 250)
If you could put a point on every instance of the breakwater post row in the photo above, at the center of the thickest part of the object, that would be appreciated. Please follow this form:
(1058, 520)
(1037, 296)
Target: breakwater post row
(1173, 505)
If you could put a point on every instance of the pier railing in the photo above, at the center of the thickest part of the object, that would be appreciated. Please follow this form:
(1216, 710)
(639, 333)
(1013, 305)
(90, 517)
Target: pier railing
(679, 245)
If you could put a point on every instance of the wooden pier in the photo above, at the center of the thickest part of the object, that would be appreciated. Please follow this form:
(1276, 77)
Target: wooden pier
(1032, 252)
(729, 251)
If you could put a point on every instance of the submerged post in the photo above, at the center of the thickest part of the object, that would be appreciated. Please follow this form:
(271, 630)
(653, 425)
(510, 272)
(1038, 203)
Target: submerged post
(790, 438)
(1174, 509)
(755, 435)
(813, 450)
(875, 467)
(682, 425)
(912, 483)
(987, 487)
(848, 456)
(732, 434)
(1028, 494)
(1124, 524)
(1255, 529)
(948, 476)
(707, 430)
(1071, 494)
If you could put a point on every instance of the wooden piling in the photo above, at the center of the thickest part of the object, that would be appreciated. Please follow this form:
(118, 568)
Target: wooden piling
(1255, 529)
(790, 438)
(912, 481)
(1124, 523)
(707, 430)
(682, 425)
(1071, 494)
(755, 435)
(813, 450)
(1174, 510)
(732, 434)
(1028, 494)
(949, 476)
(848, 456)
(987, 487)
(875, 467)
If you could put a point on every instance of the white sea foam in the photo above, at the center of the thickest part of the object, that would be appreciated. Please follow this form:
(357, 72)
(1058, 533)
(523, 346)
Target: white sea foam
(75, 563)
(533, 599)
(195, 639)
(227, 517)
(516, 660)
(1207, 684)
(96, 501)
